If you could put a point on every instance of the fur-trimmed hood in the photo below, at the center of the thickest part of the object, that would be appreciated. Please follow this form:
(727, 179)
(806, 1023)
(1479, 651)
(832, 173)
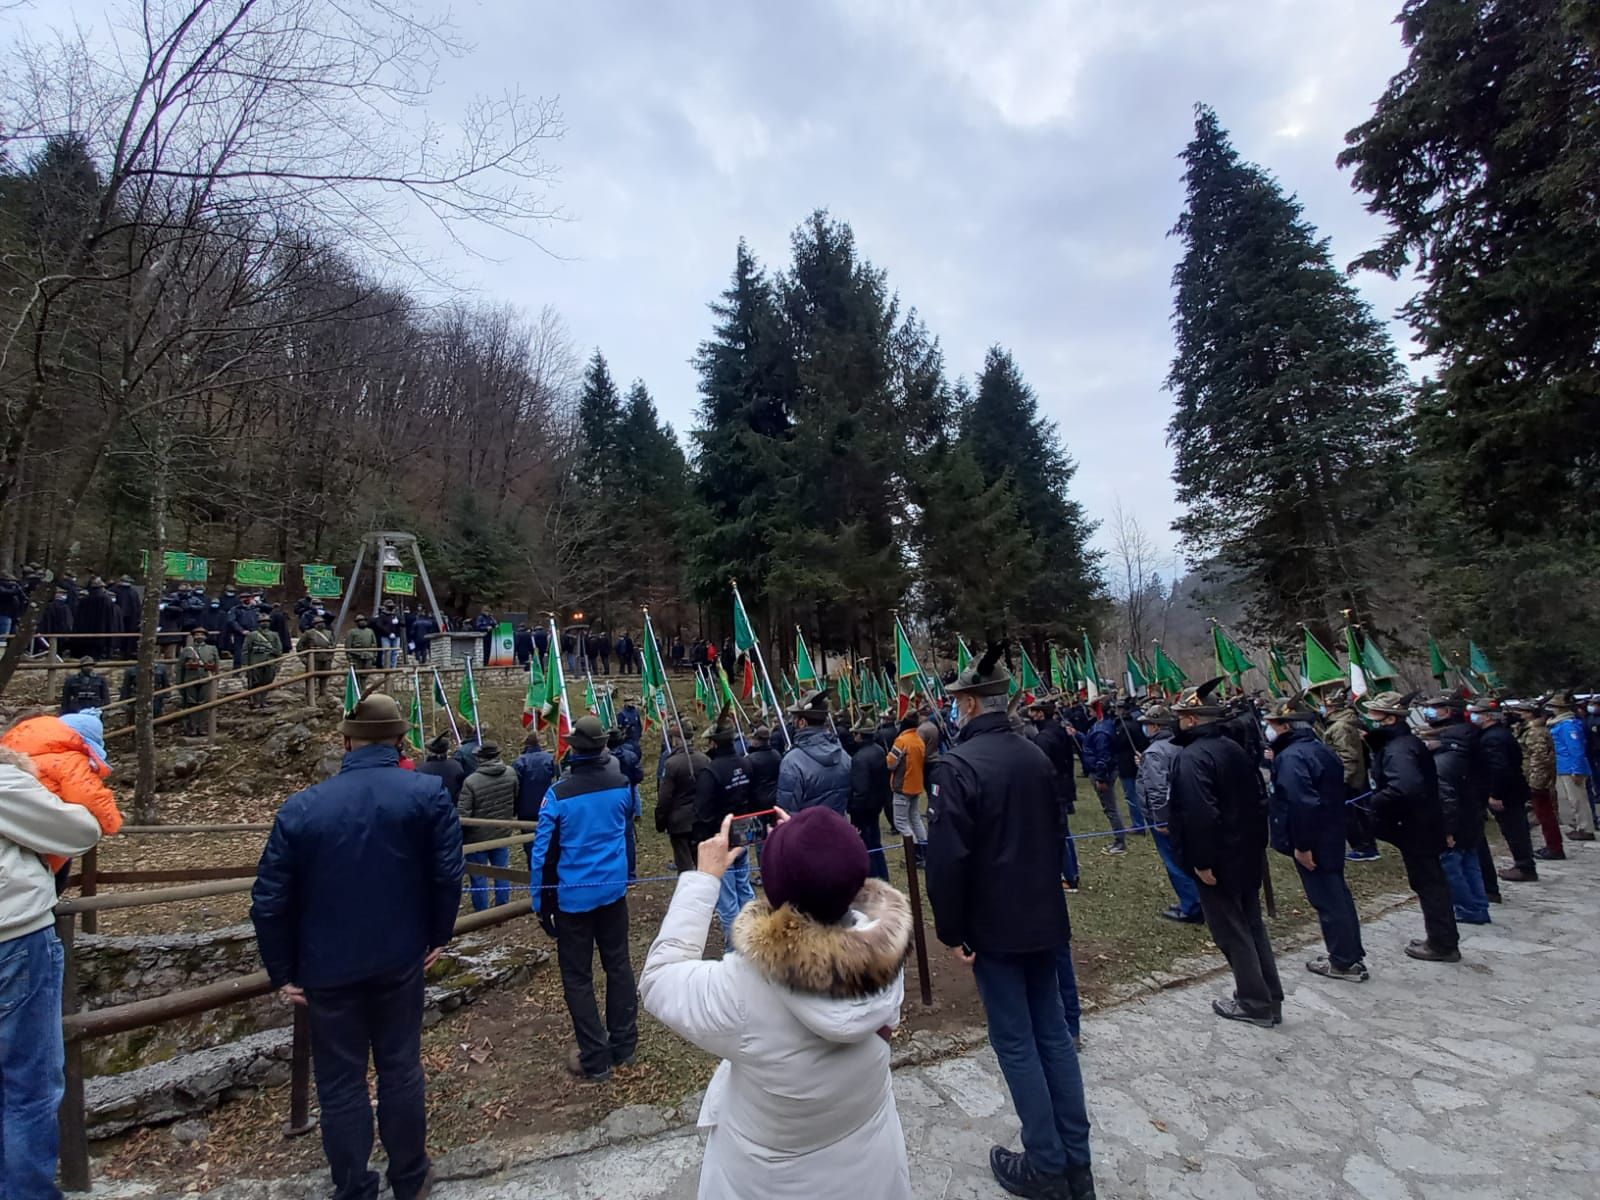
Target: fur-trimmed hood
(858, 957)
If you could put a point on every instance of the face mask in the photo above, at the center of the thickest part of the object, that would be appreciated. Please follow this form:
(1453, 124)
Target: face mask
(1150, 731)
(1475, 718)
(1271, 733)
(1430, 714)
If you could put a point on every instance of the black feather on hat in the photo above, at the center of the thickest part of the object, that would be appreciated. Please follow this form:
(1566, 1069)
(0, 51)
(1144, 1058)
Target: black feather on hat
(1198, 702)
(983, 676)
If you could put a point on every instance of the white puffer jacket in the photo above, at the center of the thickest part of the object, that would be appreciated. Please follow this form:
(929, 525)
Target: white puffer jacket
(801, 1107)
(34, 821)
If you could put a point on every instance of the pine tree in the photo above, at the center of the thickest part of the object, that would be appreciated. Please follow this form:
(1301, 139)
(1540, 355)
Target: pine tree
(1483, 153)
(1289, 400)
(1010, 440)
(745, 374)
(600, 418)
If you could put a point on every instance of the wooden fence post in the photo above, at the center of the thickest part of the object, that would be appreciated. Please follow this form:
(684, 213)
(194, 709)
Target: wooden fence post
(300, 1121)
(72, 1119)
(50, 674)
(918, 934)
(88, 885)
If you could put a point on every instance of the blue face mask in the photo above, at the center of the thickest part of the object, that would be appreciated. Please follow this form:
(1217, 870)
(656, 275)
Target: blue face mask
(1430, 714)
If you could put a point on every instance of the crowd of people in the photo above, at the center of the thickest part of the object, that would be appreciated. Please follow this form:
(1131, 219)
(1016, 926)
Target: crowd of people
(805, 996)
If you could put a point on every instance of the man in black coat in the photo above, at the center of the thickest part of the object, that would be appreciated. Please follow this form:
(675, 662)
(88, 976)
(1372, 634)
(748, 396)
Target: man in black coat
(994, 869)
(130, 606)
(870, 793)
(1308, 820)
(1060, 747)
(354, 899)
(723, 789)
(1508, 788)
(761, 766)
(1406, 814)
(1217, 818)
(1131, 742)
(84, 690)
(97, 613)
(1463, 800)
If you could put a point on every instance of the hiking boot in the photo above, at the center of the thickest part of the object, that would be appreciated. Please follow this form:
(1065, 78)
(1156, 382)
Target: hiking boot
(1354, 973)
(1362, 856)
(1013, 1172)
(1080, 1182)
(1580, 835)
(1229, 1010)
(1545, 854)
(1177, 914)
(1116, 848)
(1519, 875)
(575, 1066)
(1426, 951)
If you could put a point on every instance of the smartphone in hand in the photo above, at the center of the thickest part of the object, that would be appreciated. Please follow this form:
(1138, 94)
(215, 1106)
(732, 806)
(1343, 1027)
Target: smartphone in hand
(749, 828)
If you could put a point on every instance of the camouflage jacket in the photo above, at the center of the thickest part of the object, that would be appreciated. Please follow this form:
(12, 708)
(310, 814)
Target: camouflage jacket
(1343, 735)
(1538, 753)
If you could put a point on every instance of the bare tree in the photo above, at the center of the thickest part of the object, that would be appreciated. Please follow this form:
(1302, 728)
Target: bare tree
(1134, 568)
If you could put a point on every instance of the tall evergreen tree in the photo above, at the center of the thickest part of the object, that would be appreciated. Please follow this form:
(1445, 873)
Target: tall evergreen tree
(1484, 153)
(600, 418)
(1289, 400)
(745, 376)
(1012, 442)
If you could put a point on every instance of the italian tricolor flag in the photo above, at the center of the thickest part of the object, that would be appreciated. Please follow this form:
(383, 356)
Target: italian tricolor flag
(553, 707)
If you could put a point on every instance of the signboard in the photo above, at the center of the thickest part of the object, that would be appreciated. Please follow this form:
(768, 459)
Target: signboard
(400, 583)
(178, 564)
(317, 570)
(324, 587)
(256, 572)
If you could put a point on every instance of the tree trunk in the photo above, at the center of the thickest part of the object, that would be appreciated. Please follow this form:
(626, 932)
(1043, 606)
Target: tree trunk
(144, 795)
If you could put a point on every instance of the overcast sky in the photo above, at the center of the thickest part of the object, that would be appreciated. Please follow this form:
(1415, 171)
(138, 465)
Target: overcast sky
(1011, 165)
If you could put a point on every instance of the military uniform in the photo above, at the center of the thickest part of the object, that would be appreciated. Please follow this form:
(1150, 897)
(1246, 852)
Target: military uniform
(261, 650)
(84, 690)
(1343, 734)
(1539, 768)
(316, 645)
(361, 645)
(197, 663)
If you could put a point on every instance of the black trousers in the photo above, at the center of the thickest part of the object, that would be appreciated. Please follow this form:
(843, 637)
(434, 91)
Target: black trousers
(1513, 824)
(1103, 788)
(1328, 893)
(683, 851)
(1427, 879)
(1236, 926)
(380, 1019)
(1358, 824)
(578, 936)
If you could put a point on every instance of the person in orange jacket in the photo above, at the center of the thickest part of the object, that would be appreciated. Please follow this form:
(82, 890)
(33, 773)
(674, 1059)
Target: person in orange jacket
(69, 755)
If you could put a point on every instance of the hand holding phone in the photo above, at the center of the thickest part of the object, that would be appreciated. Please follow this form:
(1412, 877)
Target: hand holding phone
(750, 828)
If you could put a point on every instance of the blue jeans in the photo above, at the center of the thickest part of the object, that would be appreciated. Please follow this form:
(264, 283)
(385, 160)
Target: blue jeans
(872, 837)
(1336, 913)
(31, 1058)
(735, 894)
(1067, 978)
(1021, 996)
(1466, 885)
(391, 654)
(1069, 855)
(1130, 790)
(5, 627)
(500, 857)
(1183, 884)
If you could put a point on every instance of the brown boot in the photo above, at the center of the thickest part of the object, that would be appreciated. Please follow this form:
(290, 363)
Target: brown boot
(1519, 875)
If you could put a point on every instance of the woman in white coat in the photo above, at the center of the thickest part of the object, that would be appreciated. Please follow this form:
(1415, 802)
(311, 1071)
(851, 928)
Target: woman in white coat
(801, 1012)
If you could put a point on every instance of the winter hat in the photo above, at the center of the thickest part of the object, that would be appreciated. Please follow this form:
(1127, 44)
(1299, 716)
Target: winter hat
(489, 751)
(816, 862)
(588, 736)
(86, 724)
(376, 718)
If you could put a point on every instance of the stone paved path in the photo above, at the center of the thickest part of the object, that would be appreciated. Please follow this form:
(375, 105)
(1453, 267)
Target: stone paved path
(1472, 1082)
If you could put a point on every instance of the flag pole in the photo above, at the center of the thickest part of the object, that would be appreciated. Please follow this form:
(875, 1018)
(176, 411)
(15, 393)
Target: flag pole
(472, 687)
(666, 686)
(761, 662)
(448, 711)
(922, 679)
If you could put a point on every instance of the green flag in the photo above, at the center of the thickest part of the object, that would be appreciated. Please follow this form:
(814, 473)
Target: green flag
(1321, 668)
(415, 735)
(804, 673)
(1091, 669)
(1058, 675)
(438, 690)
(1278, 681)
(1137, 679)
(1479, 662)
(905, 660)
(1168, 673)
(467, 697)
(846, 696)
(653, 678)
(1379, 668)
(1031, 683)
(1230, 659)
(744, 636)
(701, 698)
(352, 692)
(1437, 667)
(963, 655)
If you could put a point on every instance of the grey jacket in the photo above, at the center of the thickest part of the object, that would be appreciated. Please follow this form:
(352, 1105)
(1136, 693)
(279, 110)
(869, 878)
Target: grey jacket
(490, 793)
(816, 772)
(1155, 774)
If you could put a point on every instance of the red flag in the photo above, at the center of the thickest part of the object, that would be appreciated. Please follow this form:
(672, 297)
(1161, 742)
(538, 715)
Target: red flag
(905, 705)
(749, 687)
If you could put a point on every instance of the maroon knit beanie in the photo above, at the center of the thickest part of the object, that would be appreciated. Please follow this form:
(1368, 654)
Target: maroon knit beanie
(815, 861)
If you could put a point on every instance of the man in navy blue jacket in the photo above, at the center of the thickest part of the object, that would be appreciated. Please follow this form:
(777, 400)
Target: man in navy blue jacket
(580, 859)
(1307, 820)
(354, 899)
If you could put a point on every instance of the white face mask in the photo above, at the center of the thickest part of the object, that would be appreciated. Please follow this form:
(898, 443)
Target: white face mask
(1271, 733)
(1475, 718)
